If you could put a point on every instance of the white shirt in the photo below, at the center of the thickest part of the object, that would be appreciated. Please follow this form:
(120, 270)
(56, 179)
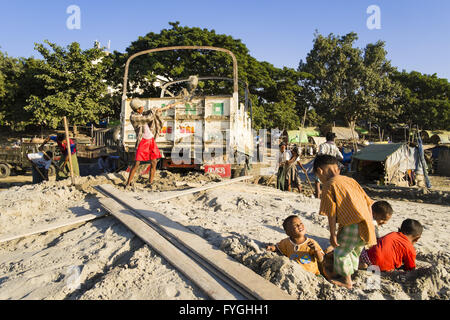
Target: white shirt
(375, 223)
(147, 133)
(285, 156)
(38, 159)
(330, 149)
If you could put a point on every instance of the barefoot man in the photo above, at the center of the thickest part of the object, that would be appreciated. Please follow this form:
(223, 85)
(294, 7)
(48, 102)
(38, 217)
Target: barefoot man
(147, 125)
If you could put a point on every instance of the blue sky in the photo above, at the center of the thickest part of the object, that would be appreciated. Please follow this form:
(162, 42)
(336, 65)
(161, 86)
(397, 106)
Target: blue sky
(417, 33)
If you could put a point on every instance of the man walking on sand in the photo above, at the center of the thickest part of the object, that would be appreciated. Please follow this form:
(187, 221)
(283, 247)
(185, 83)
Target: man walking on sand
(147, 125)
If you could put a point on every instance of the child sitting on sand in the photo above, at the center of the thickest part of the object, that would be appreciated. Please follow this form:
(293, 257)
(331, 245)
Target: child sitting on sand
(346, 204)
(394, 249)
(381, 212)
(298, 247)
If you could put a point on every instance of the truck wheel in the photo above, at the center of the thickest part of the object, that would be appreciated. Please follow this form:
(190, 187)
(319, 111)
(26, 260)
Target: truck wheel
(5, 171)
(51, 171)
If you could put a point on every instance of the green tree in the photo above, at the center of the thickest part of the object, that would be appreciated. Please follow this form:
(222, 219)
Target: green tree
(11, 70)
(348, 83)
(262, 77)
(73, 85)
(426, 100)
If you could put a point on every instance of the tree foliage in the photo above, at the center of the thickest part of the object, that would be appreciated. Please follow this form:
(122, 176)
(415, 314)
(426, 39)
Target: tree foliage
(426, 99)
(73, 85)
(348, 83)
(338, 82)
(273, 100)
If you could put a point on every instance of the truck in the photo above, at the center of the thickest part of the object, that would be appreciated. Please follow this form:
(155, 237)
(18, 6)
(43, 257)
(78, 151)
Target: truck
(14, 158)
(210, 133)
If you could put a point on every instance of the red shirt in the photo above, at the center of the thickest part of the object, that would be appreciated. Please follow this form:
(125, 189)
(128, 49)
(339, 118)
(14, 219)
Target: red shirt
(393, 250)
(63, 147)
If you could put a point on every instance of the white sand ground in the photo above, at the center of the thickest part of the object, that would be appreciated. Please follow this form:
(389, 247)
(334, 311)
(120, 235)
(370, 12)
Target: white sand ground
(112, 263)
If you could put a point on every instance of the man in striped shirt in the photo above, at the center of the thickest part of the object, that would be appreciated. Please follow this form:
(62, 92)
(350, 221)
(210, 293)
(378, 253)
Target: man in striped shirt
(347, 205)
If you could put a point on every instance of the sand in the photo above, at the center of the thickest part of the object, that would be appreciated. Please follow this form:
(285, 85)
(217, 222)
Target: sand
(102, 259)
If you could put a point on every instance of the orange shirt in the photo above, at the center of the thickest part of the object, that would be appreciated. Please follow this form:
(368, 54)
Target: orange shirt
(300, 253)
(344, 198)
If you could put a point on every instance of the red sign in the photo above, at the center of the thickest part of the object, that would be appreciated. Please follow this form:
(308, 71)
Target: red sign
(223, 170)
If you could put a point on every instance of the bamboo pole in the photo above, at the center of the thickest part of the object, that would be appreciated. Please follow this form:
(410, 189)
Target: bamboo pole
(69, 151)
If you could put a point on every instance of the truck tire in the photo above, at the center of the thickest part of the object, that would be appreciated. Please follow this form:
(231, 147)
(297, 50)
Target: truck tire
(5, 171)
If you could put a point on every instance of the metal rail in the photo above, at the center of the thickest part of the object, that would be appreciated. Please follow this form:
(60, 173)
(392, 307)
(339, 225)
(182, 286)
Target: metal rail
(235, 65)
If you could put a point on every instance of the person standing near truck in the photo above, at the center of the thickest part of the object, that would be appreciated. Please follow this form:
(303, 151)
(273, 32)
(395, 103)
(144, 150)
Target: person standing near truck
(63, 170)
(147, 125)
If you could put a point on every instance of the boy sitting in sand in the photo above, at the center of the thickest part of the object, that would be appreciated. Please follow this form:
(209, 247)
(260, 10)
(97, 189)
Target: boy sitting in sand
(346, 204)
(298, 247)
(381, 212)
(394, 249)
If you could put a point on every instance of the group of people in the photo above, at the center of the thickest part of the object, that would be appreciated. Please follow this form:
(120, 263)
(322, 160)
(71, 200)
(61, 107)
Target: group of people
(147, 125)
(353, 220)
(42, 160)
(353, 217)
(289, 162)
(287, 176)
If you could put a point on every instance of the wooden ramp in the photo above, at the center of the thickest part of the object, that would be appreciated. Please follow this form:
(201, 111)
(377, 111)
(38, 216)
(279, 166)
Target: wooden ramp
(239, 277)
(201, 277)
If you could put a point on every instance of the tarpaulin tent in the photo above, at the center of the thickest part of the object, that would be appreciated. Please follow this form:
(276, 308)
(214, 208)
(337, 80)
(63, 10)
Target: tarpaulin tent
(441, 138)
(343, 133)
(297, 136)
(317, 140)
(301, 136)
(390, 161)
(441, 157)
(361, 130)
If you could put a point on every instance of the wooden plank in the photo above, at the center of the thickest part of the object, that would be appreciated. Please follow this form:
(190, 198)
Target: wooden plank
(199, 189)
(89, 217)
(52, 226)
(175, 257)
(240, 274)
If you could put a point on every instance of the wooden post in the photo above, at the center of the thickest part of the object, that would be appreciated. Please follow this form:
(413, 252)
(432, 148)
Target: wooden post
(69, 151)
(355, 145)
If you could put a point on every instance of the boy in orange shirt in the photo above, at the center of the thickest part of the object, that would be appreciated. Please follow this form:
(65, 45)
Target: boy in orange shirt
(298, 247)
(346, 204)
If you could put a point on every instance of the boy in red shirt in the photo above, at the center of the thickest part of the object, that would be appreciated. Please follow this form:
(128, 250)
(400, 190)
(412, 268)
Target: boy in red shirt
(394, 249)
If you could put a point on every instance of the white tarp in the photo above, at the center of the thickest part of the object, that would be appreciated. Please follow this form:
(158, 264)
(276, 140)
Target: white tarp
(398, 163)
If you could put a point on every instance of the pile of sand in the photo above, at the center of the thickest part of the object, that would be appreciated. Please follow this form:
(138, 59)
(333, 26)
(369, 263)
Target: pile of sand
(239, 218)
(429, 281)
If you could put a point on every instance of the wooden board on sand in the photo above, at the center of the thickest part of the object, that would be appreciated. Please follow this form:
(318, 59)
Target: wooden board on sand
(240, 274)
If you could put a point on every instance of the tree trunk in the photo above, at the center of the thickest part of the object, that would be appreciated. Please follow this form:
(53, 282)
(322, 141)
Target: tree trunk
(352, 128)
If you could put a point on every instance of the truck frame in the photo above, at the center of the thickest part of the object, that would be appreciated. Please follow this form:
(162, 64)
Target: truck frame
(213, 133)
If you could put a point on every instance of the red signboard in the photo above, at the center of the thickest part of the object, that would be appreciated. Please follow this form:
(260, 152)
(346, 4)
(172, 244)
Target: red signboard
(223, 170)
